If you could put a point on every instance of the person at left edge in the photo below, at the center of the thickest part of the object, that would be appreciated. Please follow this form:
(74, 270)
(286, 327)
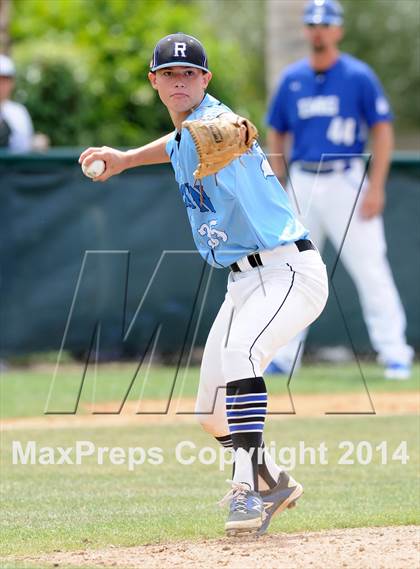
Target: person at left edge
(240, 219)
(16, 130)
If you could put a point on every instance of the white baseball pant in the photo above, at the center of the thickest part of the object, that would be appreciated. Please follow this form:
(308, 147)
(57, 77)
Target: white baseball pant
(264, 308)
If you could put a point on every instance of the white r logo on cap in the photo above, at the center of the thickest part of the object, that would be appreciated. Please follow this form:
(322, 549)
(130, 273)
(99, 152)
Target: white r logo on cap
(179, 49)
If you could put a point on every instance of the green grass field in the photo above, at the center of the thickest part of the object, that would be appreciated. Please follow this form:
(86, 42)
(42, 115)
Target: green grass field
(24, 392)
(67, 507)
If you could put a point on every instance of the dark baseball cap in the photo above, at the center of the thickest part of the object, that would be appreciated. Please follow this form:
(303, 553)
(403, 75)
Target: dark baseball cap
(179, 50)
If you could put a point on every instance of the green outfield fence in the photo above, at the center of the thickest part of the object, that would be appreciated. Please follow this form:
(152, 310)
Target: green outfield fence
(51, 215)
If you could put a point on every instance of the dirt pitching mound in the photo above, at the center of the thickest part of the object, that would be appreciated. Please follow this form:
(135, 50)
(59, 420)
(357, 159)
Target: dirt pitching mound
(376, 548)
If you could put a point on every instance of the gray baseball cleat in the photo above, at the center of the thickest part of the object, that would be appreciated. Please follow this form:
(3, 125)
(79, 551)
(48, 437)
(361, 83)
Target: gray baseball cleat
(277, 499)
(246, 512)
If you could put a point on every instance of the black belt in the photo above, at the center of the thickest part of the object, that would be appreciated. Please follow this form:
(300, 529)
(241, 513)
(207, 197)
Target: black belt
(255, 258)
(326, 166)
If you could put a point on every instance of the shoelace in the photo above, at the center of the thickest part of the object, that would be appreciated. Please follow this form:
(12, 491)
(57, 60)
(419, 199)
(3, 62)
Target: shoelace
(238, 493)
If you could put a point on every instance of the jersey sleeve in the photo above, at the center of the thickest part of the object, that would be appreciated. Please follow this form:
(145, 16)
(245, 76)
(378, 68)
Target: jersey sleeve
(375, 105)
(277, 116)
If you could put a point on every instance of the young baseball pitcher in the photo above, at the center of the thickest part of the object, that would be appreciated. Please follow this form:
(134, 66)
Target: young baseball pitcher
(242, 220)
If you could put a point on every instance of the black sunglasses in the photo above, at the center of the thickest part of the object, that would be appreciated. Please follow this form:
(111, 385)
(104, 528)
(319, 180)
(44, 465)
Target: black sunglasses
(318, 25)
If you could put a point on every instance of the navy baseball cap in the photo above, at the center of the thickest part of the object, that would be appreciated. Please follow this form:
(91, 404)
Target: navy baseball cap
(327, 12)
(179, 50)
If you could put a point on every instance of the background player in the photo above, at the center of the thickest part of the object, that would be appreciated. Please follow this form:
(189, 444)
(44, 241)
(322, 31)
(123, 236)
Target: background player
(240, 219)
(327, 103)
(16, 130)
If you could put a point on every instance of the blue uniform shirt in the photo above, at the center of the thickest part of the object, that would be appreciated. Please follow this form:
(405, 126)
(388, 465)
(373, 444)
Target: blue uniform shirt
(330, 112)
(243, 208)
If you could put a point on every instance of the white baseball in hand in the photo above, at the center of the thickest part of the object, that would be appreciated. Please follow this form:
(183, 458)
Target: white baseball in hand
(95, 169)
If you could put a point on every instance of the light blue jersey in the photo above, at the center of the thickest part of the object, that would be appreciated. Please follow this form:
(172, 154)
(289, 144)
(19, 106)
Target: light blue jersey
(243, 209)
(328, 113)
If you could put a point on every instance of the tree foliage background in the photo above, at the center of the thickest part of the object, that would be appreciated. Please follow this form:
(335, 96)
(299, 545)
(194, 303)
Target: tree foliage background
(83, 63)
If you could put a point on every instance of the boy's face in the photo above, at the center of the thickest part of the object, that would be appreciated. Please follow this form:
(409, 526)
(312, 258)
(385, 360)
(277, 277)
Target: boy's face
(180, 88)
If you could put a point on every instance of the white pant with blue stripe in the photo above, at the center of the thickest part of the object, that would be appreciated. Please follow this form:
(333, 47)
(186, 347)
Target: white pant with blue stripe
(264, 308)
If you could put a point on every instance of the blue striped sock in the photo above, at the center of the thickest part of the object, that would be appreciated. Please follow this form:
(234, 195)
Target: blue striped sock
(246, 408)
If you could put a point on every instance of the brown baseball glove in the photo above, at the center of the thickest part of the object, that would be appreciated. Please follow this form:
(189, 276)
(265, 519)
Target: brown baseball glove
(219, 141)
